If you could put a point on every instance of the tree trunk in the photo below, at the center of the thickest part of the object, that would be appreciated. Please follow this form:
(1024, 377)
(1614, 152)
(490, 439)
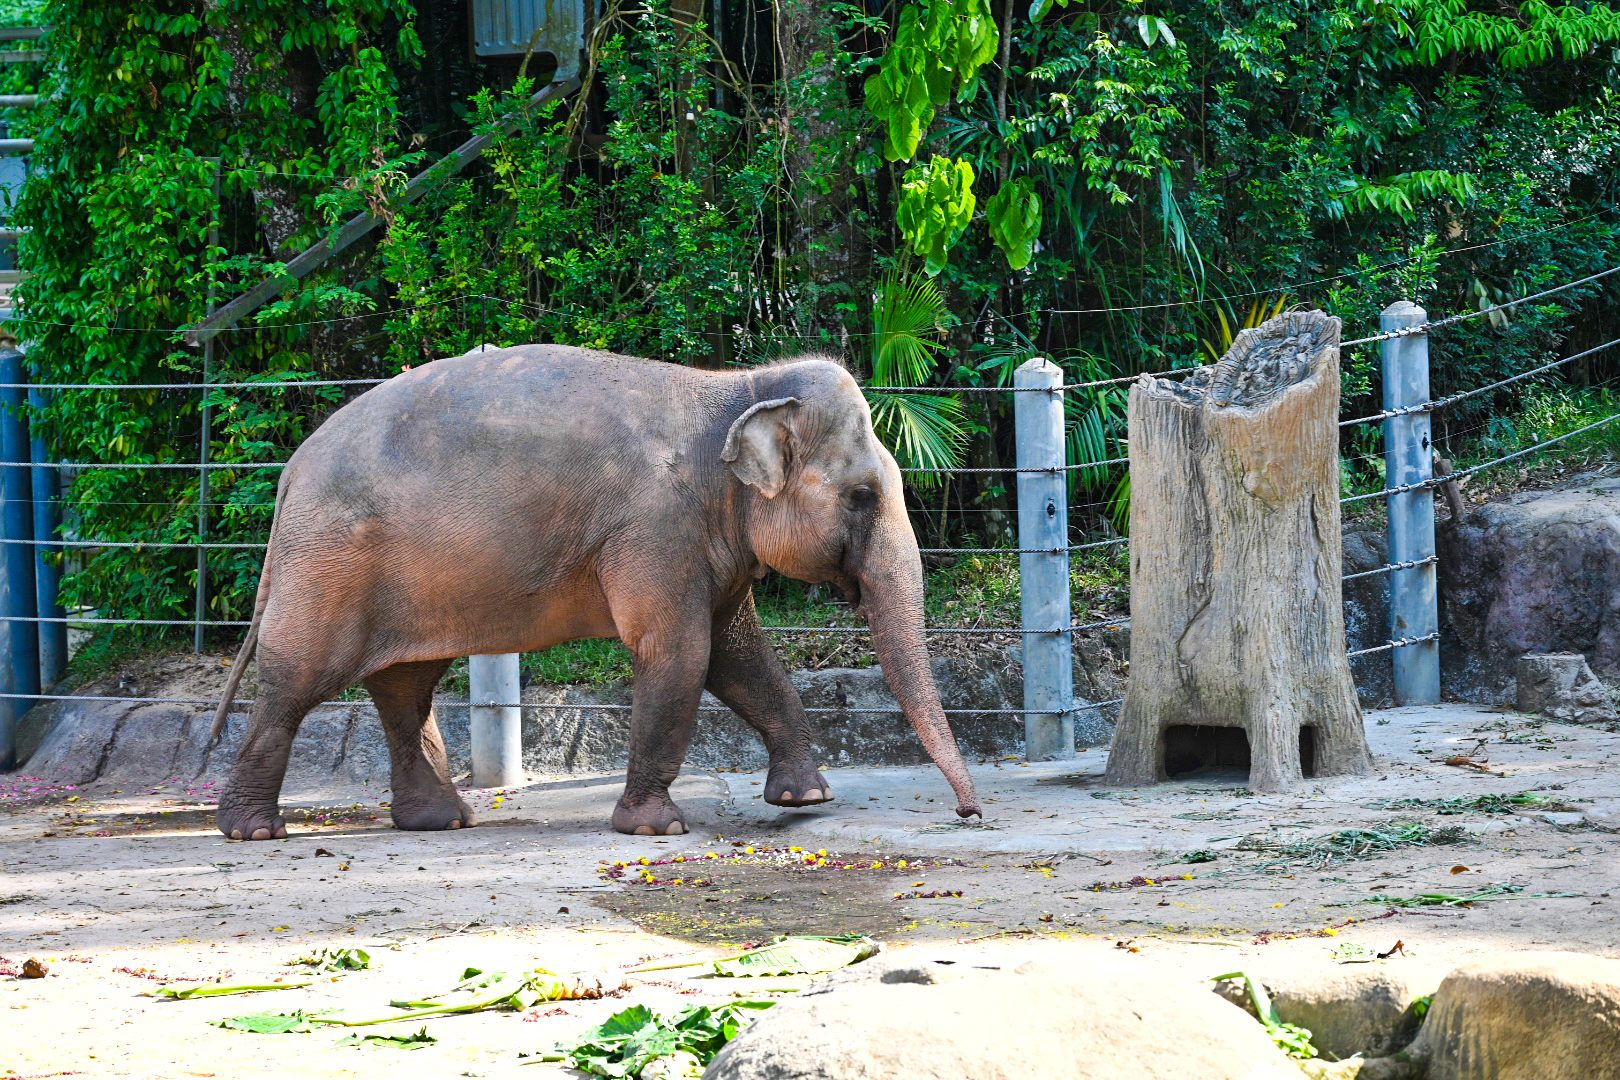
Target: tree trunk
(1236, 610)
(818, 114)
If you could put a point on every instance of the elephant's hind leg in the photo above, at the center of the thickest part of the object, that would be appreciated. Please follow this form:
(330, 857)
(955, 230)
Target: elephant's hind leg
(746, 675)
(248, 807)
(423, 796)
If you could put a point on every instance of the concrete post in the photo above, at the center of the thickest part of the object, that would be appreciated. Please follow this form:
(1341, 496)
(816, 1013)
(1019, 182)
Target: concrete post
(1409, 459)
(497, 733)
(1043, 522)
(47, 488)
(20, 662)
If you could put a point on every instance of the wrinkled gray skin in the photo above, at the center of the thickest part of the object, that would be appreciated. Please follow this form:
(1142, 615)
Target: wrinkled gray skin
(514, 499)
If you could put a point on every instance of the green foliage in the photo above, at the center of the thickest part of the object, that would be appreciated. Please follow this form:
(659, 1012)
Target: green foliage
(939, 47)
(1291, 1039)
(936, 205)
(628, 1042)
(1014, 215)
(925, 431)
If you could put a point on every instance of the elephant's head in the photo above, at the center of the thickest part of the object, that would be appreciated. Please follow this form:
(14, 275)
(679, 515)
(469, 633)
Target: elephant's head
(825, 504)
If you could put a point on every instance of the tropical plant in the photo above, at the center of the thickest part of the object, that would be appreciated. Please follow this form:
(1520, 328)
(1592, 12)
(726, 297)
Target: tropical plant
(924, 430)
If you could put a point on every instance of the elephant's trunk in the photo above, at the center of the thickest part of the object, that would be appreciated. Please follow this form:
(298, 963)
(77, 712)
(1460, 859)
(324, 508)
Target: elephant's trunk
(891, 582)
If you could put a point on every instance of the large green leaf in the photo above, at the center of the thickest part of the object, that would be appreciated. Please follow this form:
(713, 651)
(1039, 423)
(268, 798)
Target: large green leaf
(936, 205)
(799, 956)
(1014, 215)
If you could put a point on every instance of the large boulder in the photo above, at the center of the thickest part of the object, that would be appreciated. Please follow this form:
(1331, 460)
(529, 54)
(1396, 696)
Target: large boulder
(1536, 572)
(1098, 1022)
(1527, 1016)
(1517, 1016)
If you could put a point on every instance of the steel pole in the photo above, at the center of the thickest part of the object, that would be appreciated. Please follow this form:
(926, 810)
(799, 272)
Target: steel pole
(18, 602)
(47, 489)
(497, 733)
(1409, 459)
(1043, 523)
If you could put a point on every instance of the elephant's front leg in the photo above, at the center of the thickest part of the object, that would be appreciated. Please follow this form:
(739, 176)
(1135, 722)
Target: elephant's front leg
(669, 662)
(745, 674)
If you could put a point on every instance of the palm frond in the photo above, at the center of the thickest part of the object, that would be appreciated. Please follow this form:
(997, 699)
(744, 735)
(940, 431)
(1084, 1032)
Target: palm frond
(910, 313)
(924, 431)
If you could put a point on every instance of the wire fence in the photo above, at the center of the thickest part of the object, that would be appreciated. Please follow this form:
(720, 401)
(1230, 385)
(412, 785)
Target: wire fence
(205, 467)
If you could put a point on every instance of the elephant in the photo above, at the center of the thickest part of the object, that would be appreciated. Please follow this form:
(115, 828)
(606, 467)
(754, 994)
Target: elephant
(511, 499)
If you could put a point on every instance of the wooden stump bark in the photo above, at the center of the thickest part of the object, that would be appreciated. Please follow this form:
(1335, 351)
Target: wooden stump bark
(1236, 609)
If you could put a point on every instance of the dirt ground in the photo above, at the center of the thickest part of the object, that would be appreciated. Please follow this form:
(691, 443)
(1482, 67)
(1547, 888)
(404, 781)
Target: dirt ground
(119, 892)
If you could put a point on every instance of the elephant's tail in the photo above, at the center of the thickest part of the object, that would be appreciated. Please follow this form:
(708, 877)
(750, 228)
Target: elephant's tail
(260, 601)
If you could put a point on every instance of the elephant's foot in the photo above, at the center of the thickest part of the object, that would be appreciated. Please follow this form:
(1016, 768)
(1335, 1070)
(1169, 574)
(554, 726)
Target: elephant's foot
(241, 822)
(651, 815)
(796, 785)
(431, 813)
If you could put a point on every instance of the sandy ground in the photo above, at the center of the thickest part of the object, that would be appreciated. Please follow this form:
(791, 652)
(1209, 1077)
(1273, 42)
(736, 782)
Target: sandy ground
(119, 892)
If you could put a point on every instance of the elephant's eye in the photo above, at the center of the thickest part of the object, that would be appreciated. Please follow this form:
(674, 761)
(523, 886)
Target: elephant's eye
(862, 498)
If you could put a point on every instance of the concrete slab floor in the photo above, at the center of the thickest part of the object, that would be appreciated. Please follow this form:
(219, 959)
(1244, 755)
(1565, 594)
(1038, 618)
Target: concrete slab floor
(122, 890)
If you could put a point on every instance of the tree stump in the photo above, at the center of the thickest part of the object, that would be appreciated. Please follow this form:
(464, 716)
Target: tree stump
(1237, 624)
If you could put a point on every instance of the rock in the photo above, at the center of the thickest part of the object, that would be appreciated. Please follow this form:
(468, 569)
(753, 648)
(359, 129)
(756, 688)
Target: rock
(1349, 1009)
(1538, 572)
(1101, 1023)
(1561, 686)
(1520, 1016)
(34, 968)
(1526, 1016)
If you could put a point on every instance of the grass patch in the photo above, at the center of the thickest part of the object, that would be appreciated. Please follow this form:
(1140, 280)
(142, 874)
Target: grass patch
(1477, 804)
(1320, 851)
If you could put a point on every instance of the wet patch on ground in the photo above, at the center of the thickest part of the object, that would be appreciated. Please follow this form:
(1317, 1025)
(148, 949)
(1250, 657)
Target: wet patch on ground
(748, 893)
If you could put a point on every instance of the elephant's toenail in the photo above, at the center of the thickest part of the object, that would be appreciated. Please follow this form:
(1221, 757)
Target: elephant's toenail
(261, 834)
(786, 796)
(236, 834)
(455, 823)
(646, 830)
(675, 829)
(813, 795)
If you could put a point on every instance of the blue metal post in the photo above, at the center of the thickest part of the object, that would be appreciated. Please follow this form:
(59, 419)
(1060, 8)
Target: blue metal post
(1043, 522)
(53, 646)
(1409, 459)
(20, 664)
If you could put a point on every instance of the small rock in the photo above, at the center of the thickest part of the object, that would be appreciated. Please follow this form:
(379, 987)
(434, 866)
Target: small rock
(35, 969)
(1561, 686)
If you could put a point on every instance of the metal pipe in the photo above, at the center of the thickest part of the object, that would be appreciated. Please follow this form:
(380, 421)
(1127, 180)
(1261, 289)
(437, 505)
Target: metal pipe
(19, 673)
(1043, 523)
(53, 645)
(497, 729)
(207, 437)
(1409, 459)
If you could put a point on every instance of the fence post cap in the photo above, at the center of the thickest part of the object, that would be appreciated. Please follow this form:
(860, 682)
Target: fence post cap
(1036, 367)
(1404, 311)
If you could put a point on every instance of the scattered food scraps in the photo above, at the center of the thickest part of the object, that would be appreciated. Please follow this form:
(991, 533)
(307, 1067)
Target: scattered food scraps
(800, 955)
(639, 1043)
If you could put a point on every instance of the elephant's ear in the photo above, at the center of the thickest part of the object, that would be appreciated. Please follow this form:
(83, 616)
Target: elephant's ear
(757, 445)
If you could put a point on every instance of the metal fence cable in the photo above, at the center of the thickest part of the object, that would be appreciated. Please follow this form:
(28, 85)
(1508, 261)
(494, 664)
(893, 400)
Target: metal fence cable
(1440, 403)
(1451, 320)
(1460, 473)
(1398, 643)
